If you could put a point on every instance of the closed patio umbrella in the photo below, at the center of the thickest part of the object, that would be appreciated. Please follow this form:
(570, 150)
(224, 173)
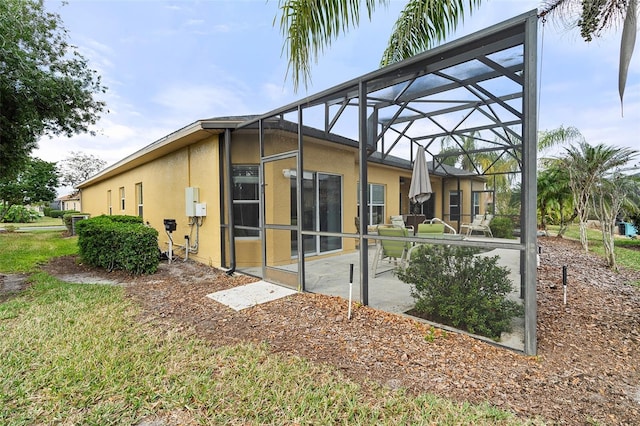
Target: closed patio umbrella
(420, 189)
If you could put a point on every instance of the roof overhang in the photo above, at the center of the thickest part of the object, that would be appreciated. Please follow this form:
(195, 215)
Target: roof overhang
(188, 135)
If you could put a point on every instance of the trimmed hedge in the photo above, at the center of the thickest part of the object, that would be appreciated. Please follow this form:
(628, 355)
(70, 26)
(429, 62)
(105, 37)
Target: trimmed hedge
(54, 213)
(118, 242)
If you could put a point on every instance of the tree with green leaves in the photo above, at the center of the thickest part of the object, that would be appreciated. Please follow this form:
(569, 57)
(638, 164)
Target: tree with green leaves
(46, 86)
(35, 183)
(501, 166)
(555, 200)
(560, 136)
(309, 27)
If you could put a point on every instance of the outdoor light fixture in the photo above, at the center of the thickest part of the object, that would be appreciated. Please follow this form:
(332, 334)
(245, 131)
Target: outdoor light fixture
(289, 173)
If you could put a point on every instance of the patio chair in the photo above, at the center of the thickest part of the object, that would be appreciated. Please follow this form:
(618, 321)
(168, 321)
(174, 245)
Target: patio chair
(448, 229)
(430, 230)
(434, 228)
(399, 222)
(391, 250)
(480, 223)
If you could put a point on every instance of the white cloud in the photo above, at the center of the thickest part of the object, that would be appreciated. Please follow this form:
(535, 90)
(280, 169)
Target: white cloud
(276, 94)
(194, 22)
(222, 28)
(190, 102)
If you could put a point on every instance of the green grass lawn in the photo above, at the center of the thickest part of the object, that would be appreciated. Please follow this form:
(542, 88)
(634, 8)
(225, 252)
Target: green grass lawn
(41, 221)
(627, 250)
(77, 354)
(22, 252)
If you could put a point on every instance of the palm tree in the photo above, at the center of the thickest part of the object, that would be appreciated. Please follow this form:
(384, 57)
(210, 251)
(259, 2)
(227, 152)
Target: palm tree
(560, 136)
(610, 196)
(459, 151)
(588, 166)
(554, 194)
(310, 26)
(464, 153)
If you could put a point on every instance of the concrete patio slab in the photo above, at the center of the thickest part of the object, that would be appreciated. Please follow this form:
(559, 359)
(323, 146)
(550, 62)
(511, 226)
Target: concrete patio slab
(249, 295)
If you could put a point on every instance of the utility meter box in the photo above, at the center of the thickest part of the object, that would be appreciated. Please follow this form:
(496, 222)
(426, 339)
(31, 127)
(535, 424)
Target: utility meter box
(191, 198)
(201, 209)
(170, 225)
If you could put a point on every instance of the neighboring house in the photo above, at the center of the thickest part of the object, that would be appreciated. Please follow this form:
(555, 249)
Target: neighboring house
(70, 202)
(55, 204)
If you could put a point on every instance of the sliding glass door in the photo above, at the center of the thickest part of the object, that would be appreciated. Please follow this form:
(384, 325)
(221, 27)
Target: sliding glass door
(321, 212)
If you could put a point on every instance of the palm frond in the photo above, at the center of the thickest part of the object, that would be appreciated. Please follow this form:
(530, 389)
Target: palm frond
(559, 136)
(422, 24)
(310, 26)
(627, 43)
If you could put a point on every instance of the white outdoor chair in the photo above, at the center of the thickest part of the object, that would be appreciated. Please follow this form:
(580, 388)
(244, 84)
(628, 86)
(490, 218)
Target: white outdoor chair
(479, 223)
(398, 221)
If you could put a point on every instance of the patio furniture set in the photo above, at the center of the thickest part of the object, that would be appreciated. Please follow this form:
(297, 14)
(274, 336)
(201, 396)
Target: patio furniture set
(399, 252)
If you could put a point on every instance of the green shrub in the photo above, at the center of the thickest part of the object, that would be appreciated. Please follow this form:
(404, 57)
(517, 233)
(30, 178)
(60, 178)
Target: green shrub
(502, 227)
(18, 214)
(453, 287)
(118, 242)
(55, 213)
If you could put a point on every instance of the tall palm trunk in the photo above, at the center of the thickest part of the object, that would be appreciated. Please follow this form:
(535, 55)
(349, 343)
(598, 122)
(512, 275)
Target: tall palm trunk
(607, 227)
(583, 235)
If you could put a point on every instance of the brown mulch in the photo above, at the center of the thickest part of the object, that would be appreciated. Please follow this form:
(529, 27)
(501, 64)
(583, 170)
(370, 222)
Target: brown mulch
(586, 371)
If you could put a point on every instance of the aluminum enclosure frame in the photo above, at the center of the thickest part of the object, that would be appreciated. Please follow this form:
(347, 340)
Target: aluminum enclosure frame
(482, 87)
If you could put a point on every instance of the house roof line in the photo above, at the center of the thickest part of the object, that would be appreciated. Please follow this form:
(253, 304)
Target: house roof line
(161, 146)
(200, 129)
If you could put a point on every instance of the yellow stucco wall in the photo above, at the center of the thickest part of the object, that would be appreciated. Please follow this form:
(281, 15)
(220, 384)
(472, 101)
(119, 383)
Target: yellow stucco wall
(164, 181)
(163, 184)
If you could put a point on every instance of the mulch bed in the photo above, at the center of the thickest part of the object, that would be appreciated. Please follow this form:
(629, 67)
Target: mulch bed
(586, 370)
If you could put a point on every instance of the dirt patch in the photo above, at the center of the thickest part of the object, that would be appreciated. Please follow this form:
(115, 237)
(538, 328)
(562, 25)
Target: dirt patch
(12, 284)
(587, 368)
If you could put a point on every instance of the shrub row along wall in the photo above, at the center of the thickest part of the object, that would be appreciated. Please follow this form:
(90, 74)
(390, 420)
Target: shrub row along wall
(118, 242)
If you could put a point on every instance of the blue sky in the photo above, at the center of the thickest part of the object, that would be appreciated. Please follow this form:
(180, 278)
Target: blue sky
(169, 63)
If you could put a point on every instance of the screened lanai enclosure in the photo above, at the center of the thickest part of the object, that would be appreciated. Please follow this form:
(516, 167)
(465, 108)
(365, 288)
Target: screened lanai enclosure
(335, 172)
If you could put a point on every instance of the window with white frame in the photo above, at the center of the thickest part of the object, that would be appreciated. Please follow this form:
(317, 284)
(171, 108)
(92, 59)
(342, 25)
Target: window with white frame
(122, 198)
(246, 202)
(476, 204)
(375, 204)
(139, 198)
(109, 205)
